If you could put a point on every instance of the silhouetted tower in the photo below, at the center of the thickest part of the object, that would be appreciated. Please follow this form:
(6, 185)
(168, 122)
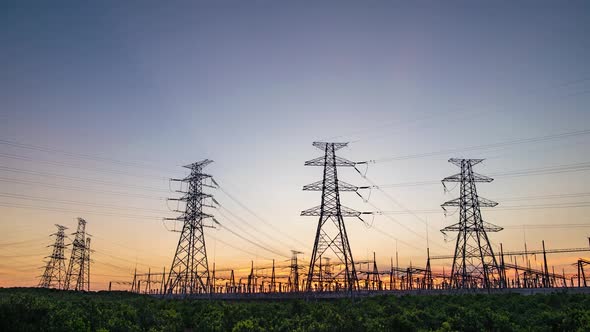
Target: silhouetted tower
(474, 262)
(331, 237)
(375, 278)
(76, 276)
(232, 283)
(294, 275)
(273, 286)
(427, 282)
(55, 271)
(189, 273)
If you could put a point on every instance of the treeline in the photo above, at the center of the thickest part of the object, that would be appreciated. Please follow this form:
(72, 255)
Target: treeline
(28, 309)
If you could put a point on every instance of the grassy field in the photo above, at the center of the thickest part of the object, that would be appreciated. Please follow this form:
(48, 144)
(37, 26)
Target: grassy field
(29, 309)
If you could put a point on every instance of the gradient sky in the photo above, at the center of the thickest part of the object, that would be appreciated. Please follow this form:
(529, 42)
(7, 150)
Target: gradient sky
(114, 97)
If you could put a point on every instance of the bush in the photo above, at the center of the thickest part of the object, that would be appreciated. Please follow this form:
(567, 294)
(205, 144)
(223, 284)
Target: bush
(23, 309)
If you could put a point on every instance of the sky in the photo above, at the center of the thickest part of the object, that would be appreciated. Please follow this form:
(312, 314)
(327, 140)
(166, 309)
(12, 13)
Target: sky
(102, 103)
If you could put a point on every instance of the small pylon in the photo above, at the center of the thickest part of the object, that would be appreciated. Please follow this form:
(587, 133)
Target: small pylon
(76, 276)
(294, 275)
(55, 270)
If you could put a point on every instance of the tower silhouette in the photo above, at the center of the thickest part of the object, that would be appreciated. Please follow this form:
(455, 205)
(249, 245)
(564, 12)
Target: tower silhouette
(76, 276)
(331, 237)
(474, 262)
(55, 270)
(189, 273)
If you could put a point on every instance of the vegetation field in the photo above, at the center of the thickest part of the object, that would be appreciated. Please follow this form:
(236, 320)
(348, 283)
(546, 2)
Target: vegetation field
(27, 309)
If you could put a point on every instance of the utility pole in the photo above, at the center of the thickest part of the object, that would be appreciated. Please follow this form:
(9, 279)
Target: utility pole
(55, 270)
(189, 272)
(331, 234)
(75, 276)
(474, 262)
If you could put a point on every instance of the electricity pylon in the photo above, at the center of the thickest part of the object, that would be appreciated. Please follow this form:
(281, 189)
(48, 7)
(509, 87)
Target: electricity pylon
(474, 262)
(331, 237)
(76, 276)
(189, 273)
(55, 270)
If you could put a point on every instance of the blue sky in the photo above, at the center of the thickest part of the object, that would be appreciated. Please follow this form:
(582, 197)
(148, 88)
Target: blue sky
(251, 85)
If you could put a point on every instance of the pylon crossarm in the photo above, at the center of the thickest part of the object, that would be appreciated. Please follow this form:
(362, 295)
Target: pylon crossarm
(491, 227)
(452, 178)
(484, 202)
(319, 185)
(201, 164)
(321, 161)
(317, 211)
(453, 228)
(459, 162)
(335, 146)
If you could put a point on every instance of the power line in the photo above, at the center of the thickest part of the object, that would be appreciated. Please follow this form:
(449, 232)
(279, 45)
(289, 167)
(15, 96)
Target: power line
(527, 198)
(246, 222)
(506, 208)
(79, 155)
(77, 178)
(242, 205)
(439, 114)
(484, 146)
(252, 242)
(99, 170)
(395, 238)
(236, 247)
(566, 168)
(544, 226)
(106, 206)
(74, 188)
(386, 215)
(51, 209)
(391, 198)
(246, 232)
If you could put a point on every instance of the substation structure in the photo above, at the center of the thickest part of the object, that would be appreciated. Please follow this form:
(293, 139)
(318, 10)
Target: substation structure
(476, 265)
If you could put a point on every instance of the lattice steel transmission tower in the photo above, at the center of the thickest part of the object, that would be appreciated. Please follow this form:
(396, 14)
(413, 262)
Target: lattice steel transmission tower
(76, 278)
(189, 273)
(474, 262)
(55, 270)
(331, 237)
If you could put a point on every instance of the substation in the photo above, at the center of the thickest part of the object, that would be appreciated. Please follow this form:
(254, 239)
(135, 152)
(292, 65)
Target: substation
(332, 270)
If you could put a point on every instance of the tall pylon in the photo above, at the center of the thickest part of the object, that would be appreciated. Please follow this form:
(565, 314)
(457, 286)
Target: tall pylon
(331, 237)
(76, 276)
(474, 262)
(55, 270)
(189, 272)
